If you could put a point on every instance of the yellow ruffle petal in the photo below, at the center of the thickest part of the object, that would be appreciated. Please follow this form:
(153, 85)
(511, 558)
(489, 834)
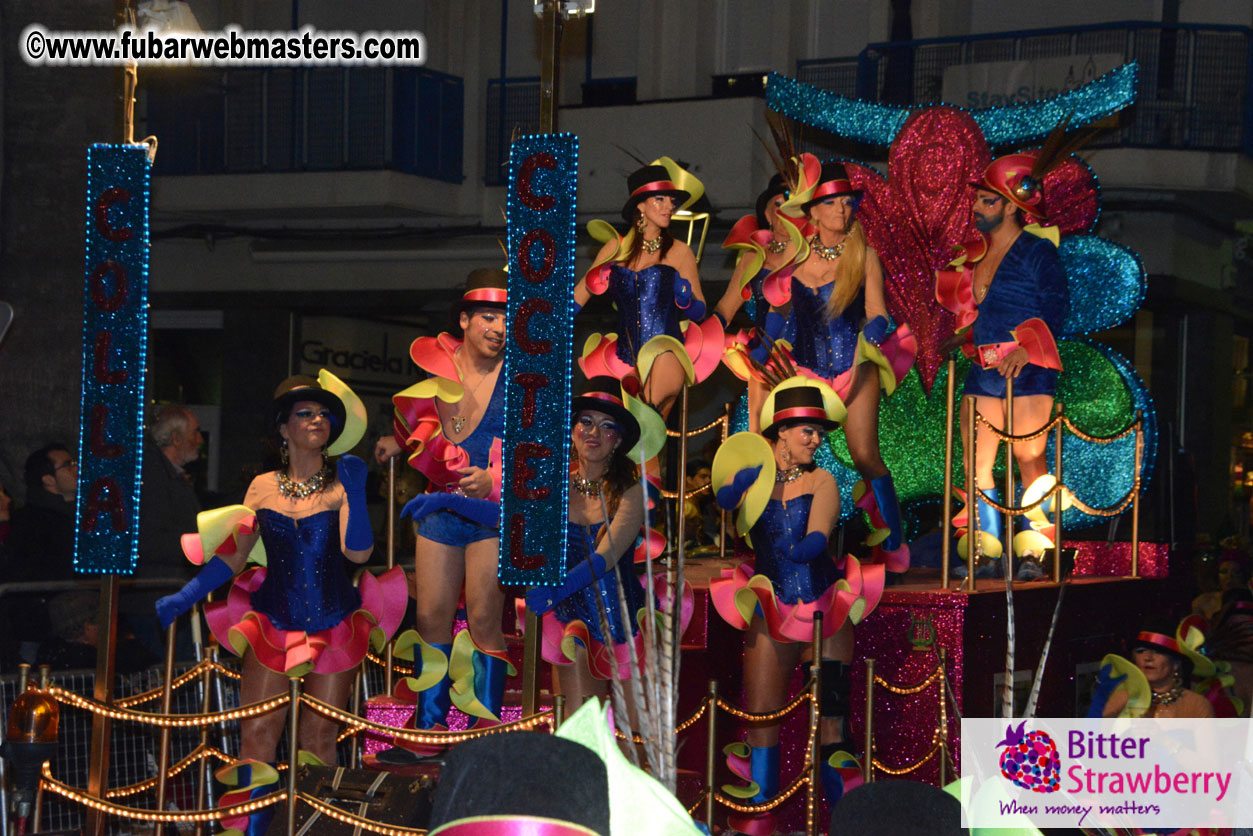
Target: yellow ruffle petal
(354, 411)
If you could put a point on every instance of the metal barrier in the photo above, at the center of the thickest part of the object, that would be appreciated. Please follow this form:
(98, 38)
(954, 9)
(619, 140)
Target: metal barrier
(1194, 78)
(407, 119)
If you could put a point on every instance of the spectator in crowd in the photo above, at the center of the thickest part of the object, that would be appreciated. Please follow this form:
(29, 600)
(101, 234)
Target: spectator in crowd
(167, 510)
(76, 635)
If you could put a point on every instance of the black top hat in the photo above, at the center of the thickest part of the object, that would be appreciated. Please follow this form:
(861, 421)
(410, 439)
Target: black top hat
(897, 808)
(604, 394)
(776, 186)
(301, 387)
(523, 774)
(798, 404)
(650, 181)
(831, 182)
(1160, 636)
(485, 288)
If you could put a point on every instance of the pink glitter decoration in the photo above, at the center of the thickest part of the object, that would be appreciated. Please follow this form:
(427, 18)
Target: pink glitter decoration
(919, 213)
(1113, 560)
(1072, 199)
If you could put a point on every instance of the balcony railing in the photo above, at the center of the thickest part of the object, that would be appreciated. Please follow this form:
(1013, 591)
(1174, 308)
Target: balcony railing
(311, 119)
(1194, 78)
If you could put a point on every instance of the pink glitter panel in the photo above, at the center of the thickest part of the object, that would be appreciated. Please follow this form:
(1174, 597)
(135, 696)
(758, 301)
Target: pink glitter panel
(918, 215)
(1072, 201)
(392, 712)
(1113, 560)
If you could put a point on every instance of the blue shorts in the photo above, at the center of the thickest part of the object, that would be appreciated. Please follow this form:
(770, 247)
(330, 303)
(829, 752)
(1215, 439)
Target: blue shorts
(452, 529)
(1032, 380)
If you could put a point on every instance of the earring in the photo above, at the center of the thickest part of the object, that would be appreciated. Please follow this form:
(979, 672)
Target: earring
(640, 224)
(282, 452)
(787, 456)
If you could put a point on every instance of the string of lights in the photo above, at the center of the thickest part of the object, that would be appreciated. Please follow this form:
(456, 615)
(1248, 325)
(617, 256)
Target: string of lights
(175, 721)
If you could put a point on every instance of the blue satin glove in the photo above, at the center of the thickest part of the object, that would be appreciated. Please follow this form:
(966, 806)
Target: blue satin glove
(812, 547)
(1106, 685)
(352, 472)
(730, 496)
(693, 308)
(576, 308)
(878, 329)
(541, 599)
(773, 324)
(215, 573)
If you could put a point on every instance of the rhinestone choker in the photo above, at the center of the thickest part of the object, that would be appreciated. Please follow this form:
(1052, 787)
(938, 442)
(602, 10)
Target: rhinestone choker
(824, 252)
(299, 490)
(585, 486)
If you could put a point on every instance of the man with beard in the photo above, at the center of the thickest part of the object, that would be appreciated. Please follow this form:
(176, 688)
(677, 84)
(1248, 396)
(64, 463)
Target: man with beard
(1010, 297)
(451, 426)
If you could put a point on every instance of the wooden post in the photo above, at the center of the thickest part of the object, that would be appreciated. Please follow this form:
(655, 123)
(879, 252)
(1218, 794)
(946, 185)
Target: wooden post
(101, 726)
(867, 768)
(163, 753)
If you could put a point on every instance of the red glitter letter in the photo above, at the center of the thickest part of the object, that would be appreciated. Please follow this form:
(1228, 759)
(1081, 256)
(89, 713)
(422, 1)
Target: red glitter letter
(517, 546)
(531, 382)
(527, 264)
(523, 472)
(540, 203)
(522, 324)
(107, 198)
(105, 301)
(101, 368)
(105, 497)
(100, 448)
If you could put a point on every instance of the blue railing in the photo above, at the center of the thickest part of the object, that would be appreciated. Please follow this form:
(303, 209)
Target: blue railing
(1194, 78)
(512, 106)
(406, 119)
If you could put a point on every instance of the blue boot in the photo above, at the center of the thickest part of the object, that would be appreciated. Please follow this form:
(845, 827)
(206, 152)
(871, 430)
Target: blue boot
(478, 678)
(991, 535)
(250, 780)
(434, 702)
(763, 764)
(890, 509)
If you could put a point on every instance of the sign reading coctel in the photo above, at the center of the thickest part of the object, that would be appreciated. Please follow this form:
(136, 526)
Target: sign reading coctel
(543, 178)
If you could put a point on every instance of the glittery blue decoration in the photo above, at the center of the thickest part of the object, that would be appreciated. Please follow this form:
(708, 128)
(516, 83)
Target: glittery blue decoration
(1101, 398)
(540, 207)
(1106, 280)
(115, 351)
(878, 124)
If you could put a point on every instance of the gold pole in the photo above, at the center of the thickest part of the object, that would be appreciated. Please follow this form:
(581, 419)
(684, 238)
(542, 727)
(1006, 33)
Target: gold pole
(388, 674)
(815, 696)
(946, 545)
(943, 720)
(676, 568)
(163, 753)
(711, 753)
(1007, 539)
(206, 684)
(722, 515)
(357, 684)
(559, 710)
(98, 773)
(1057, 497)
(974, 544)
(37, 814)
(530, 665)
(1135, 499)
(293, 755)
(867, 767)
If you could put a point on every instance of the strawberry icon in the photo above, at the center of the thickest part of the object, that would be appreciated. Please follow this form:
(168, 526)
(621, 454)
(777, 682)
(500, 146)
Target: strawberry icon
(1030, 759)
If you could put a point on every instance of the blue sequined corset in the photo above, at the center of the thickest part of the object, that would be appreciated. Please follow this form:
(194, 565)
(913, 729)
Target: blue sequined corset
(1029, 282)
(775, 534)
(478, 444)
(645, 303)
(586, 604)
(824, 346)
(757, 307)
(306, 586)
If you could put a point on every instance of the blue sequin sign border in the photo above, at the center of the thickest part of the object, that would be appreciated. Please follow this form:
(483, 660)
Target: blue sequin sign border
(111, 409)
(540, 231)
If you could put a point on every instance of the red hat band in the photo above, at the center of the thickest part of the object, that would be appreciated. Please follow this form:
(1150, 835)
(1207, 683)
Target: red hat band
(494, 295)
(655, 186)
(817, 413)
(603, 396)
(1161, 640)
(832, 187)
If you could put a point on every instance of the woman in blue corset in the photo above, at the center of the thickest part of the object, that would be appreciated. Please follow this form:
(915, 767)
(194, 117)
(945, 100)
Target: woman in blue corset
(788, 507)
(298, 614)
(651, 278)
(604, 488)
(843, 331)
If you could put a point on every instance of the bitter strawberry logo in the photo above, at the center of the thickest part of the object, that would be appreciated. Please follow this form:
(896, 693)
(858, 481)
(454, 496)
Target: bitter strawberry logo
(1030, 759)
